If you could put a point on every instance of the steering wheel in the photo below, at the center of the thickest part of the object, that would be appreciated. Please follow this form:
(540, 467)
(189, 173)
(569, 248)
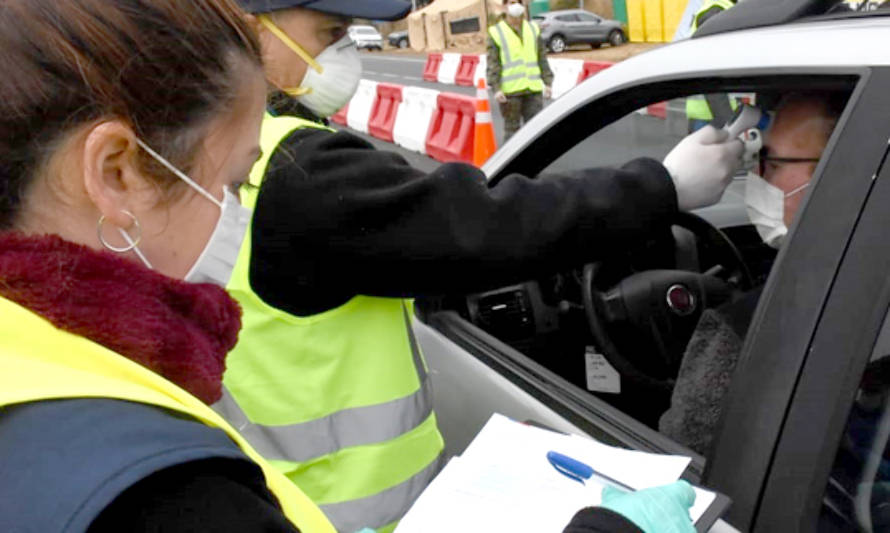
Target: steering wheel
(656, 311)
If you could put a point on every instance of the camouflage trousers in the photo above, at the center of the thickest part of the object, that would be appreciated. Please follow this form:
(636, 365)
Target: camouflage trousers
(519, 109)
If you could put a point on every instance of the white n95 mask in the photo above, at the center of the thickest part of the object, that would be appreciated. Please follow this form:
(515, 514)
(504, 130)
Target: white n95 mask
(217, 260)
(766, 208)
(515, 10)
(331, 87)
(332, 77)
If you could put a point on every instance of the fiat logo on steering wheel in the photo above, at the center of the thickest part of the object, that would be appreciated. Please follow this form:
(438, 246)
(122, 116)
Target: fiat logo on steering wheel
(680, 300)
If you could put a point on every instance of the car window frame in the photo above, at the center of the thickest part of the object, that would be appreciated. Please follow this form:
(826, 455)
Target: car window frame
(849, 322)
(548, 144)
(749, 486)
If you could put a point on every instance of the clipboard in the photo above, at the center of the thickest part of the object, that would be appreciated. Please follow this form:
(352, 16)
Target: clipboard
(715, 511)
(504, 481)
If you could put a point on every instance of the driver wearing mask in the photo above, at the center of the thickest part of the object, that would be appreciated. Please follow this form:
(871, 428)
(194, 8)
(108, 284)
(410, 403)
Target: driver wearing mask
(792, 147)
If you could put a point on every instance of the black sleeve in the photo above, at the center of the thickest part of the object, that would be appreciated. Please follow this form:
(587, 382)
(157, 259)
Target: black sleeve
(493, 66)
(196, 496)
(600, 520)
(543, 63)
(335, 218)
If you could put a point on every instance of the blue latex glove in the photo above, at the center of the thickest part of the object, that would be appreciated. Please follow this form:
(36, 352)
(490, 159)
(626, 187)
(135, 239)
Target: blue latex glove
(662, 509)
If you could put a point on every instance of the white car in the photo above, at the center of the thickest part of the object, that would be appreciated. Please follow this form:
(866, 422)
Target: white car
(366, 37)
(802, 445)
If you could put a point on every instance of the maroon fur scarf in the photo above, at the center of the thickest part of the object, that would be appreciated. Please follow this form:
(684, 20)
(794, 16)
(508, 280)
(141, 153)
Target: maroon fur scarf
(179, 330)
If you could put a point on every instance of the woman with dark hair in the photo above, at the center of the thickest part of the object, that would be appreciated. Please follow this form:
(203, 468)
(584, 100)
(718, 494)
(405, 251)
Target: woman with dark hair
(124, 128)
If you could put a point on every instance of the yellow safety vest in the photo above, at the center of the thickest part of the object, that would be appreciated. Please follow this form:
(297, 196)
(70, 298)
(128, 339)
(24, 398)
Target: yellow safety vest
(339, 401)
(40, 362)
(519, 58)
(723, 4)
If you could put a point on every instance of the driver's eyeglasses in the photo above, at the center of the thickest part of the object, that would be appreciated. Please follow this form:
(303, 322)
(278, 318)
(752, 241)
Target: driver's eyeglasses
(765, 158)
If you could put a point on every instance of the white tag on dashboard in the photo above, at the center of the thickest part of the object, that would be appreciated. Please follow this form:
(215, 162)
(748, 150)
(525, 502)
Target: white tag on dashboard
(601, 376)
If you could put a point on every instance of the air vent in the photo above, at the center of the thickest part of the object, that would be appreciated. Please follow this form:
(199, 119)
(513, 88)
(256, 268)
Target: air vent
(505, 314)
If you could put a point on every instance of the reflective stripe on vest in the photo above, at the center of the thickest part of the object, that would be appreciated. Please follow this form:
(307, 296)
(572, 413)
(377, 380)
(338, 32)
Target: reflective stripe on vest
(41, 362)
(346, 416)
(396, 500)
(519, 58)
(722, 4)
(355, 426)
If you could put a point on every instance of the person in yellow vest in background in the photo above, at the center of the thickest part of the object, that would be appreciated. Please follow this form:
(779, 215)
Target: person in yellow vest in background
(517, 68)
(125, 126)
(698, 113)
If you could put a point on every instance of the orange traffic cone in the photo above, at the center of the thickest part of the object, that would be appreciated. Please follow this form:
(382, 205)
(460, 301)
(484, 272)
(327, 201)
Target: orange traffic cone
(483, 135)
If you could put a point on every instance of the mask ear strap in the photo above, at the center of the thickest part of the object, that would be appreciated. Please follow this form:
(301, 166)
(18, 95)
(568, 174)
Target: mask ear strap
(290, 43)
(179, 174)
(798, 189)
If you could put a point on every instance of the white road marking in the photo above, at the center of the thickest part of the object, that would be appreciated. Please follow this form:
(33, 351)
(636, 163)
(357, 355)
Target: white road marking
(412, 78)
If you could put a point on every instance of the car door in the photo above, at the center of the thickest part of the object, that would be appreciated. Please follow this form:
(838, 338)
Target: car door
(593, 31)
(740, 463)
(568, 27)
(822, 462)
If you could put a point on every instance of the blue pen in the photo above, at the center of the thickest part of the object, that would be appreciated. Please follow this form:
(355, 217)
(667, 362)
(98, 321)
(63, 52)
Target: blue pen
(575, 469)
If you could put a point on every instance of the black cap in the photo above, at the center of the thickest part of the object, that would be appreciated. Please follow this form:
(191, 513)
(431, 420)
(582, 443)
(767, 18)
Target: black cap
(366, 9)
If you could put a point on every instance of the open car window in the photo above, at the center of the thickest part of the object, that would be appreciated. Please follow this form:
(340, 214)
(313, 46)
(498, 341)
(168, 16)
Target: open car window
(651, 334)
(585, 17)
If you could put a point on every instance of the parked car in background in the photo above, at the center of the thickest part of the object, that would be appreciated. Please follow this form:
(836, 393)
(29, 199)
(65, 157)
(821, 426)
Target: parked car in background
(366, 37)
(398, 39)
(577, 26)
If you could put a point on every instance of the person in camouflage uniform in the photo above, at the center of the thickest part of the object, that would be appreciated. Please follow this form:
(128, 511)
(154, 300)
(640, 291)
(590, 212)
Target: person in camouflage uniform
(518, 102)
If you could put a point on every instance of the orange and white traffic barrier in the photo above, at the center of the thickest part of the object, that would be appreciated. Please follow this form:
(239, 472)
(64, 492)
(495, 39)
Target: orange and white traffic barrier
(481, 69)
(565, 74)
(360, 106)
(450, 136)
(413, 118)
(484, 144)
(448, 68)
(466, 72)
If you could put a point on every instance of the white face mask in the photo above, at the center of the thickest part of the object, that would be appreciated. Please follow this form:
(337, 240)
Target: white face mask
(766, 208)
(331, 89)
(217, 260)
(515, 10)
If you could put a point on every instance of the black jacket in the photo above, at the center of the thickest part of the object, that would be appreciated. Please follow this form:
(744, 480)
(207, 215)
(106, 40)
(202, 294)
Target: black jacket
(336, 218)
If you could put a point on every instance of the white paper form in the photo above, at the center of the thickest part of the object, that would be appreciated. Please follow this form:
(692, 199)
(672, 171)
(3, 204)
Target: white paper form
(469, 499)
(504, 482)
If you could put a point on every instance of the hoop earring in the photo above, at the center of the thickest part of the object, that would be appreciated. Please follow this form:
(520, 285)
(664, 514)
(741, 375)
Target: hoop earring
(133, 242)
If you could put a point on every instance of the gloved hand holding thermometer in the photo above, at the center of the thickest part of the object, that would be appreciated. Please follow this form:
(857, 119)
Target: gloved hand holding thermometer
(703, 163)
(745, 118)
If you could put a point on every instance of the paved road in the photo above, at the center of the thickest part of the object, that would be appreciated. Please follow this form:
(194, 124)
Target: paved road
(402, 69)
